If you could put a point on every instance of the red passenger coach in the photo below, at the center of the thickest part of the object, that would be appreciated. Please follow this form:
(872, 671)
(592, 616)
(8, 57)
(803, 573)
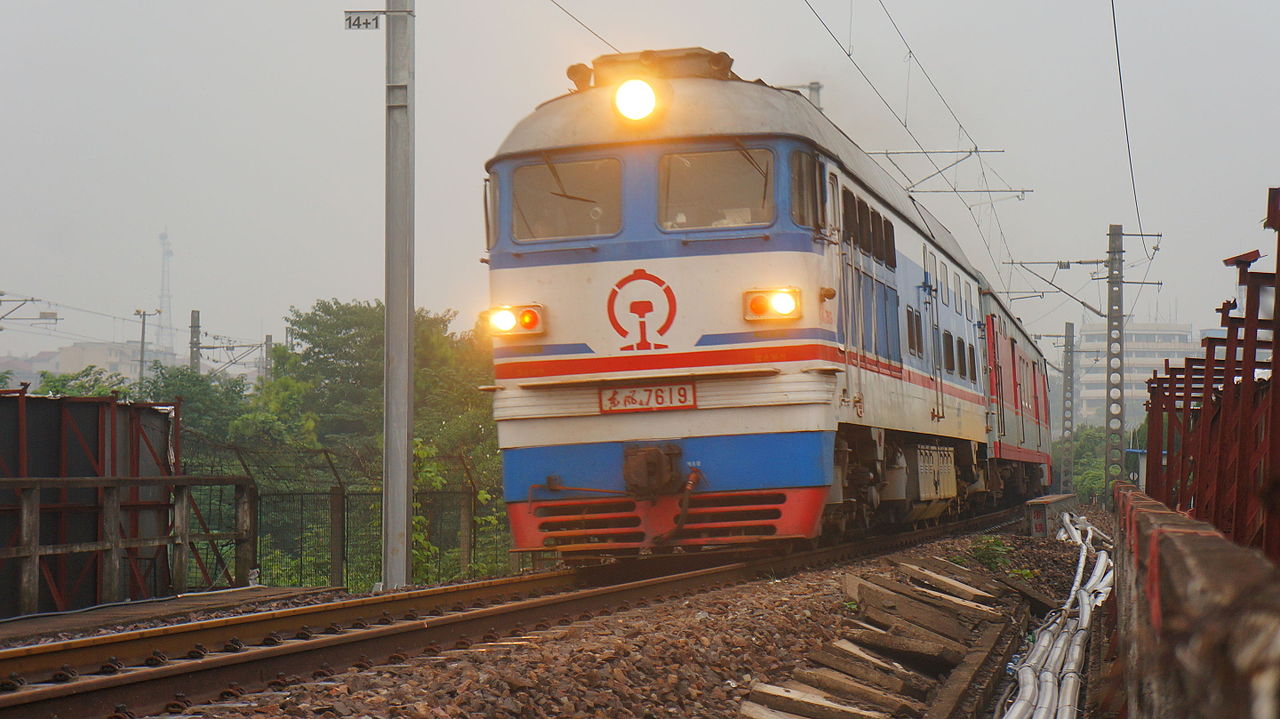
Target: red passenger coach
(1018, 392)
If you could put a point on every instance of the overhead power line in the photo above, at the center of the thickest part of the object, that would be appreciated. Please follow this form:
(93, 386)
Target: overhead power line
(1133, 178)
(585, 26)
(939, 171)
(1124, 114)
(982, 165)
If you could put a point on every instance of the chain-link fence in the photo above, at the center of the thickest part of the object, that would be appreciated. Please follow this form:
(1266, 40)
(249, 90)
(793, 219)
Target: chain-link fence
(319, 515)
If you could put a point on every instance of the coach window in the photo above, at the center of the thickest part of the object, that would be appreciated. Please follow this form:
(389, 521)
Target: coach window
(973, 366)
(891, 323)
(943, 290)
(931, 268)
(849, 205)
(960, 367)
(912, 346)
(804, 189)
(868, 286)
(890, 247)
(968, 300)
(919, 330)
(948, 352)
(877, 236)
(959, 300)
(864, 226)
(832, 206)
(491, 209)
(554, 199)
(726, 188)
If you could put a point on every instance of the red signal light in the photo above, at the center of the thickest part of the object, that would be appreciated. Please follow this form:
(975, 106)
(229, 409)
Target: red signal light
(513, 320)
(779, 304)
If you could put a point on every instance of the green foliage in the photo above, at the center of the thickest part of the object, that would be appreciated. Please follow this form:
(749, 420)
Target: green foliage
(6, 378)
(92, 381)
(326, 391)
(990, 551)
(851, 606)
(958, 559)
(275, 416)
(1087, 450)
(1024, 573)
(210, 403)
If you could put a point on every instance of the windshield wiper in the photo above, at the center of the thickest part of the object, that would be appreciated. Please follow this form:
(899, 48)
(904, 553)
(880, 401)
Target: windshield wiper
(764, 189)
(742, 149)
(546, 159)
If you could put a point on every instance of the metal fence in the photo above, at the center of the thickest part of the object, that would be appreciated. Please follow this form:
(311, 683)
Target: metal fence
(319, 514)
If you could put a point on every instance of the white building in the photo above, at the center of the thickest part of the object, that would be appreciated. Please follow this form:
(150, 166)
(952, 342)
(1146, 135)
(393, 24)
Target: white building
(119, 357)
(1146, 347)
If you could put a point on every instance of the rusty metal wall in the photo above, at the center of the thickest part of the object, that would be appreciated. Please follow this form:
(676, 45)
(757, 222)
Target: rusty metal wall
(1213, 449)
(84, 437)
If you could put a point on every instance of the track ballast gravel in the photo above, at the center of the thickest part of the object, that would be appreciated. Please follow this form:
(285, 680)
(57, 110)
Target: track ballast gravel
(694, 657)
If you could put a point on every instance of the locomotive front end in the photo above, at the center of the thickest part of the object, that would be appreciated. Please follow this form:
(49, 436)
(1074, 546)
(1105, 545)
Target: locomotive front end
(663, 323)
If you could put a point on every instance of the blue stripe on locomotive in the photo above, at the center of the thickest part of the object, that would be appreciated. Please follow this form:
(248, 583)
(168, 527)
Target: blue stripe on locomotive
(728, 463)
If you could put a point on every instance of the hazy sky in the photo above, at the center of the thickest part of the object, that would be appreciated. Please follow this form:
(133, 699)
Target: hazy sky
(253, 131)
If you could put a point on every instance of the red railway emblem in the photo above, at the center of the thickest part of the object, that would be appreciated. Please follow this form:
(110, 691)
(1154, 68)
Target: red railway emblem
(642, 308)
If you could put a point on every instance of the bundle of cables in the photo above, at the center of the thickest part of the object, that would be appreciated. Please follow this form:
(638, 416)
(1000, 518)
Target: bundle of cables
(1047, 676)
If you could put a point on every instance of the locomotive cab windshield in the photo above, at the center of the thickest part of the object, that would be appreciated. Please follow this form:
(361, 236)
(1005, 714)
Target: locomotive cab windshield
(721, 188)
(560, 199)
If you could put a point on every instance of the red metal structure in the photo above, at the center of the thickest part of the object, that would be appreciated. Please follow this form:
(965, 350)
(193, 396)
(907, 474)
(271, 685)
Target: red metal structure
(1213, 448)
(94, 507)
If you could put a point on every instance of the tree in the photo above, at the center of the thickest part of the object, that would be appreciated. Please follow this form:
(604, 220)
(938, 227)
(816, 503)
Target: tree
(6, 377)
(92, 381)
(339, 363)
(276, 415)
(210, 402)
(1088, 445)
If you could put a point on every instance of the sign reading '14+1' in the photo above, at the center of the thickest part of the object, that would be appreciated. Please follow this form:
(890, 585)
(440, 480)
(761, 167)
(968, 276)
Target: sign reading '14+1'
(363, 20)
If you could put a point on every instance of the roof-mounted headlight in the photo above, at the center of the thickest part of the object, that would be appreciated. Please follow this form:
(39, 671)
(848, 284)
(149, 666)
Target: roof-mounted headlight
(635, 99)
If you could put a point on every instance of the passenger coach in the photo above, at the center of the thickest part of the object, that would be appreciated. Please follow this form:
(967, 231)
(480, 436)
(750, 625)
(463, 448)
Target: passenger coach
(717, 321)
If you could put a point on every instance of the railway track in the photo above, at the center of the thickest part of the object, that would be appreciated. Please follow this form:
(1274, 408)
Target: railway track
(168, 668)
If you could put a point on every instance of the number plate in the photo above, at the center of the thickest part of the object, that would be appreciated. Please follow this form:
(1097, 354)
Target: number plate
(649, 398)
(357, 20)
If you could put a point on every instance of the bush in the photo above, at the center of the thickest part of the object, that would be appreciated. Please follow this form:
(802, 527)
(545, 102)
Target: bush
(989, 551)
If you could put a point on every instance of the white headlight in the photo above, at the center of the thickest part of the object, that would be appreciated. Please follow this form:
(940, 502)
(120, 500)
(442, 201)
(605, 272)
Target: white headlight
(635, 99)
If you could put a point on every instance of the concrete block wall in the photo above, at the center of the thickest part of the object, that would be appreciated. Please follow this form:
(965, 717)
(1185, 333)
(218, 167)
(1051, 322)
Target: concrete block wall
(1198, 617)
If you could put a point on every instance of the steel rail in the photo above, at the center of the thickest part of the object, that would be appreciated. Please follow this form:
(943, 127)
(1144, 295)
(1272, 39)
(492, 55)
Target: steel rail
(175, 680)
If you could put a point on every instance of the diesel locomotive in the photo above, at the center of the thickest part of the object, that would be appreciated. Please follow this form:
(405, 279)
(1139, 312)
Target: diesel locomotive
(717, 321)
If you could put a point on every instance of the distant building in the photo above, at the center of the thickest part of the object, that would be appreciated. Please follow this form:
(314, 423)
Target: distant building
(1146, 347)
(27, 368)
(118, 357)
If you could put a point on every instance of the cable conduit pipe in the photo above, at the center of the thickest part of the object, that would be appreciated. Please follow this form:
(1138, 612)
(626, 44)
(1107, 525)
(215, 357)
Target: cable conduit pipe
(1048, 678)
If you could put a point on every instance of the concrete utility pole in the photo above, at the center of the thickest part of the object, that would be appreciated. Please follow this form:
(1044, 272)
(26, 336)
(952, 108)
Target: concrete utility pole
(193, 360)
(1114, 460)
(142, 344)
(1068, 403)
(266, 359)
(397, 423)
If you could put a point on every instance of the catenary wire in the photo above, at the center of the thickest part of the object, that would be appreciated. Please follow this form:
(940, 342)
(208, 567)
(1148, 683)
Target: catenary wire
(911, 53)
(585, 26)
(1124, 114)
(884, 101)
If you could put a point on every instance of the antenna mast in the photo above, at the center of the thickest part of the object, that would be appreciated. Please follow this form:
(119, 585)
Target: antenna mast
(165, 335)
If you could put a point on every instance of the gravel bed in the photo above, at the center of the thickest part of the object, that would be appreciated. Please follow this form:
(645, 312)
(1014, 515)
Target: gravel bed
(689, 658)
